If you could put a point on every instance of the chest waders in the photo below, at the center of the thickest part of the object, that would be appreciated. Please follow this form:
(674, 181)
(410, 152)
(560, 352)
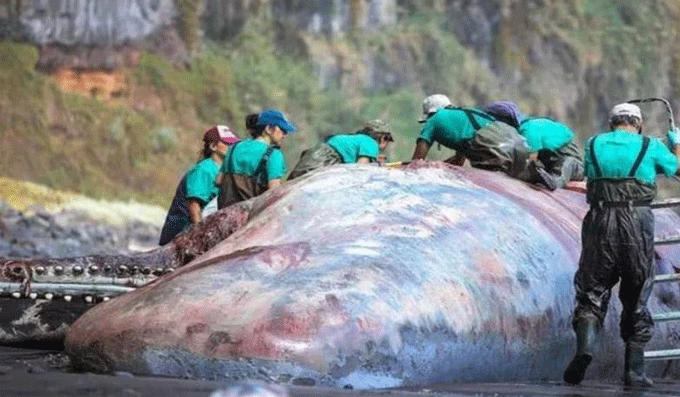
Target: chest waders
(496, 147)
(319, 156)
(617, 244)
(236, 187)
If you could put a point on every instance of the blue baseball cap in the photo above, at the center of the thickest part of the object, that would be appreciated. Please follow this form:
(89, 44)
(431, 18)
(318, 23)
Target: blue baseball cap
(274, 117)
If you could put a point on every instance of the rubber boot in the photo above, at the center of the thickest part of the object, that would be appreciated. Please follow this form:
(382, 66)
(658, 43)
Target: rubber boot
(542, 177)
(634, 370)
(586, 329)
(570, 170)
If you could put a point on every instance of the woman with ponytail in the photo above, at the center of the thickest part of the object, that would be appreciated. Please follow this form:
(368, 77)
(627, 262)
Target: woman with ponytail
(197, 188)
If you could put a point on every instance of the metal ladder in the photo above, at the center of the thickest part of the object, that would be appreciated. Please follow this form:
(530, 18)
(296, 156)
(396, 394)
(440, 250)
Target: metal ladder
(672, 354)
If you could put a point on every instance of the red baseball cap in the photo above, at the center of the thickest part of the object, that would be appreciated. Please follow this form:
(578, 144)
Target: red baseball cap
(220, 133)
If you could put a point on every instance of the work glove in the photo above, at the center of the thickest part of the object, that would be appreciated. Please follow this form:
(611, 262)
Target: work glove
(674, 136)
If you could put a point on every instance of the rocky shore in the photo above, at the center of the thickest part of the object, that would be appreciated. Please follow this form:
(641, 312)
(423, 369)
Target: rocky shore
(70, 232)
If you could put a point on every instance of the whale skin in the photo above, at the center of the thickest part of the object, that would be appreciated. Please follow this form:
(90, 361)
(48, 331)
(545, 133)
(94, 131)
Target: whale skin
(369, 277)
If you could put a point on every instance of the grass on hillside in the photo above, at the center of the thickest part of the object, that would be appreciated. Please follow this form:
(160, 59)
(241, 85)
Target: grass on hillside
(138, 146)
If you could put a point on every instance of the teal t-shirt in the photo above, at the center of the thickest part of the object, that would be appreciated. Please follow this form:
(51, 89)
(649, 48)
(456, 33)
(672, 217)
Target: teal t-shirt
(545, 134)
(451, 127)
(246, 158)
(352, 146)
(200, 181)
(616, 152)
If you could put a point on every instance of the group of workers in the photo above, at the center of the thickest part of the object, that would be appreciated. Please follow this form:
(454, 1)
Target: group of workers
(620, 167)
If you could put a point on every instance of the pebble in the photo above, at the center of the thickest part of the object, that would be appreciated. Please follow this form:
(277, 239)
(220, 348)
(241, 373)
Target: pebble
(34, 369)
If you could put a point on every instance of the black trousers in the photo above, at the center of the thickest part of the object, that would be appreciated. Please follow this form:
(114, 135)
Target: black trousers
(618, 245)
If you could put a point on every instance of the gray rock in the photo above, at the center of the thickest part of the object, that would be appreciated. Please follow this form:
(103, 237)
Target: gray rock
(94, 22)
(67, 234)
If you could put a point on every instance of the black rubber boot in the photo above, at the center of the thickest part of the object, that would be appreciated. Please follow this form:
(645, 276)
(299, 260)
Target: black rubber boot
(586, 329)
(634, 371)
(540, 176)
(569, 170)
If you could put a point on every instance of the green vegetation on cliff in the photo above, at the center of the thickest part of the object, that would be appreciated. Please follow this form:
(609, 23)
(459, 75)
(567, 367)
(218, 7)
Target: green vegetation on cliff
(568, 59)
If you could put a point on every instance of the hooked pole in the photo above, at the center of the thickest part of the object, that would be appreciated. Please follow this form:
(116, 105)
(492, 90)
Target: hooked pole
(669, 111)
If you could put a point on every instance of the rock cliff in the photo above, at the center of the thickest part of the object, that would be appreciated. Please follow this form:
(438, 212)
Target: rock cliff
(552, 54)
(568, 59)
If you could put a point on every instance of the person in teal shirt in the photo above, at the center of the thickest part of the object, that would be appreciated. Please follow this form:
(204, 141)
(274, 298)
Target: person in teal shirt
(617, 238)
(255, 165)
(474, 135)
(555, 159)
(362, 147)
(197, 188)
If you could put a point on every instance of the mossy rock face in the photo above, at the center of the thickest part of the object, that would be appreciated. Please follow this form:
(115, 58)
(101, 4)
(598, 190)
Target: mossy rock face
(188, 26)
(571, 60)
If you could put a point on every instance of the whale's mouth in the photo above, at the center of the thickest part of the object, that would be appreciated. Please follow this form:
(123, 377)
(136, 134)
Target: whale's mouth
(39, 319)
(45, 311)
(90, 293)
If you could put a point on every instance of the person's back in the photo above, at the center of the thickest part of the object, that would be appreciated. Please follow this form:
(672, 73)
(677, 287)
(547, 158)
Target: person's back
(555, 158)
(364, 146)
(454, 127)
(612, 155)
(353, 146)
(244, 159)
(618, 238)
(178, 217)
(197, 187)
(474, 134)
(248, 167)
(545, 134)
(254, 165)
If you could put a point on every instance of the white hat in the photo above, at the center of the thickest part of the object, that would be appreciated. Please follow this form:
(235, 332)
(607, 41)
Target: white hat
(626, 109)
(433, 103)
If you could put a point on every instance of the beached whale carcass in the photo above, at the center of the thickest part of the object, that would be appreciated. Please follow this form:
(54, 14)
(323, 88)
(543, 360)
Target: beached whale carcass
(370, 277)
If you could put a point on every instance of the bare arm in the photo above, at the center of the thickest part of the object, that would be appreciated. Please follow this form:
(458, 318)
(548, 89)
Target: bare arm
(363, 160)
(457, 159)
(422, 148)
(533, 156)
(194, 211)
(273, 183)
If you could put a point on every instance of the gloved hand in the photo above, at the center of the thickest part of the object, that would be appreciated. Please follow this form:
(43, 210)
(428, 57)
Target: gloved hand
(674, 136)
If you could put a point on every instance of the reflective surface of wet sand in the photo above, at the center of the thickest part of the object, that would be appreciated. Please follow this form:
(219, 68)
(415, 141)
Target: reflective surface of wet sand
(27, 372)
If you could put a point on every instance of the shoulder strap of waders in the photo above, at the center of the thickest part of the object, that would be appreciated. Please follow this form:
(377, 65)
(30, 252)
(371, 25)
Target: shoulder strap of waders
(230, 159)
(638, 160)
(262, 166)
(593, 158)
(230, 162)
(226, 195)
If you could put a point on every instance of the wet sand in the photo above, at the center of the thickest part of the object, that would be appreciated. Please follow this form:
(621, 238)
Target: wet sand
(30, 372)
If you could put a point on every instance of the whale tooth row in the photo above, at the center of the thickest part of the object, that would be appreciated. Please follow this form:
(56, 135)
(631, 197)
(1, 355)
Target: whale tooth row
(78, 270)
(68, 298)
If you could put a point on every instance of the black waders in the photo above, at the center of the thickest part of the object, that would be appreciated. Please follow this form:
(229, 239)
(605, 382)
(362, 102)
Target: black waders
(617, 245)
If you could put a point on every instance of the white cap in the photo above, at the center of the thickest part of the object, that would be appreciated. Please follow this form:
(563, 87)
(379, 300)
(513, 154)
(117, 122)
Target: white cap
(626, 109)
(433, 103)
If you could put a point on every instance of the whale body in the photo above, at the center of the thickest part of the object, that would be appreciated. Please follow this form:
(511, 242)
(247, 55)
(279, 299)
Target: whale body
(371, 277)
